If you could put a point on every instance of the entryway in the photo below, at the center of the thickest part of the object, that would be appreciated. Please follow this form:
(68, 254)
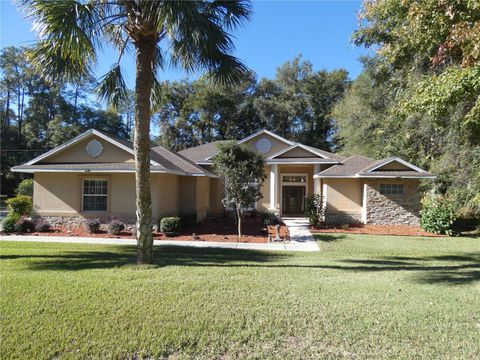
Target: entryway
(293, 200)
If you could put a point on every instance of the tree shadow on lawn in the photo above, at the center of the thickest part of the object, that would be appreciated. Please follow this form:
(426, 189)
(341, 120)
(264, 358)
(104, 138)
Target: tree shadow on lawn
(164, 256)
(462, 269)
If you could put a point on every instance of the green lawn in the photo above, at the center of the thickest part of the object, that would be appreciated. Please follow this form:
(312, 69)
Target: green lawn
(360, 297)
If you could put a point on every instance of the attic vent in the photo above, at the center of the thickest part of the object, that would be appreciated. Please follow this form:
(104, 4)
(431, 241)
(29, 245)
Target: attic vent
(94, 148)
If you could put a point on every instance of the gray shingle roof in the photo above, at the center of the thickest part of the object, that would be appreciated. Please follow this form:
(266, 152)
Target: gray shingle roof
(201, 152)
(313, 160)
(360, 166)
(349, 166)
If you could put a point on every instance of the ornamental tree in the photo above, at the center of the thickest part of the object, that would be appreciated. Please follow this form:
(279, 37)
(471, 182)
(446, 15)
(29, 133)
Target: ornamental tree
(243, 173)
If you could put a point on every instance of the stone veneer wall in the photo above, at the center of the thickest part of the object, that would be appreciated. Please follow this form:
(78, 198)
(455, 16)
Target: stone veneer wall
(74, 222)
(393, 209)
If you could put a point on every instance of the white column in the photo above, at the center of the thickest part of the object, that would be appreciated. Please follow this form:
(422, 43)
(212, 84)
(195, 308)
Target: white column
(364, 204)
(273, 186)
(316, 181)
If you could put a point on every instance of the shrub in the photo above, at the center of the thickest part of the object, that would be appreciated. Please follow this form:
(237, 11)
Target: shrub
(115, 227)
(20, 205)
(25, 187)
(42, 226)
(437, 215)
(24, 225)
(314, 209)
(8, 224)
(188, 220)
(268, 217)
(170, 225)
(92, 225)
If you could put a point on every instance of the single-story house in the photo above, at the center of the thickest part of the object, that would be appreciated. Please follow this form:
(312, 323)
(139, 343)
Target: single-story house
(92, 175)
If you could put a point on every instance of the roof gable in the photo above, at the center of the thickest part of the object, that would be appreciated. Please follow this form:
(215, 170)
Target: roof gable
(297, 151)
(266, 132)
(74, 151)
(392, 164)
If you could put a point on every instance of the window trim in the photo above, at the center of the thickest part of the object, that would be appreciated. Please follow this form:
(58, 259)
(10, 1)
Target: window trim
(390, 187)
(82, 180)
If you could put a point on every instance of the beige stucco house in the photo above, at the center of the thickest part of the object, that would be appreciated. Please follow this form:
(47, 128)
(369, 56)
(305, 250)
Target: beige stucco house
(92, 175)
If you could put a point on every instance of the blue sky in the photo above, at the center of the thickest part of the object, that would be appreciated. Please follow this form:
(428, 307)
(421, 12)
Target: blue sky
(278, 31)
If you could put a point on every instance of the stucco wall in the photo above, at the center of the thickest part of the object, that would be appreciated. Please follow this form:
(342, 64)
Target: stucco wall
(297, 153)
(164, 195)
(187, 194)
(57, 194)
(344, 200)
(393, 209)
(277, 145)
(203, 198)
(264, 203)
(78, 154)
(216, 196)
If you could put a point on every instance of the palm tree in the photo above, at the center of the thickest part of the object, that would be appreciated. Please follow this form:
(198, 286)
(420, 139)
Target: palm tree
(191, 34)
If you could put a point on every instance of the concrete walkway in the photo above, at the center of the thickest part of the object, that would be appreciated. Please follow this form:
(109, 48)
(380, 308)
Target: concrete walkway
(299, 233)
(287, 246)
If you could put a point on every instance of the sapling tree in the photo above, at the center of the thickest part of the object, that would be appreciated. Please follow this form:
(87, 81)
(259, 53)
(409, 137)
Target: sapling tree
(243, 173)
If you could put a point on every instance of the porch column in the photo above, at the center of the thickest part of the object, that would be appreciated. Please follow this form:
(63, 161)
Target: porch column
(316, 182)
(273, 186)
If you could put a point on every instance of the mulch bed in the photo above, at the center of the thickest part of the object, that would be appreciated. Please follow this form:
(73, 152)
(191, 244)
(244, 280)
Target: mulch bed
(217, 230)
(369, 229)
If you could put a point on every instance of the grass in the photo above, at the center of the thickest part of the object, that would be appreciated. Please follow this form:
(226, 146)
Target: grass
(360, 297)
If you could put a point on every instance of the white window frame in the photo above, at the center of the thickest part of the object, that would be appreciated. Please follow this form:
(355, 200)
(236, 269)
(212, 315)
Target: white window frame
(390, 186)
(105, 195)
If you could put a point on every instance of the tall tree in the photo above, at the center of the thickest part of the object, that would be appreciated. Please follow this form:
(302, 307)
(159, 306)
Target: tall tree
(419, 97)
(193, 33)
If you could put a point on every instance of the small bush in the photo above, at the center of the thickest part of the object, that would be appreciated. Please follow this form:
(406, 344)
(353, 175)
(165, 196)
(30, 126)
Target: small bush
(24, 225)
(170, 225)
(437, 215)
(20, 205)
(25, 187)
(92, 225)
(8, 224)
(268, 217)
(188, 220)
(42, 226)
(314, 209)
(115, 227)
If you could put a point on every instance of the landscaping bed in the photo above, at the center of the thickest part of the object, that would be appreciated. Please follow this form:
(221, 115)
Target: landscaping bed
(370, 229)
(217, 230)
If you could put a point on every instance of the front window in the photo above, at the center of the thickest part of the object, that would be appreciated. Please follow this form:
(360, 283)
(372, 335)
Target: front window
(294, 179)
(391, 189)
(94, 196)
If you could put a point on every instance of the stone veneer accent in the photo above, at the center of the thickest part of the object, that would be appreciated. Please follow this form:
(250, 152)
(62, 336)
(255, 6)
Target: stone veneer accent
(342, 218)
(74, 222)
(393, 209)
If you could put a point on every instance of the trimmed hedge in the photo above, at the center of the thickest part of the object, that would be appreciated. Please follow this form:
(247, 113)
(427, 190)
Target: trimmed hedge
(170, 225)
(92, 225)
(8, 224)
(20, 205)
(24, 225)
(115, 227)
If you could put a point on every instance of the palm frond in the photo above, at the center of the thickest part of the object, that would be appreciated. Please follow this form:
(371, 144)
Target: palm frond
(199, 41)
(112, 87)
(68, 33)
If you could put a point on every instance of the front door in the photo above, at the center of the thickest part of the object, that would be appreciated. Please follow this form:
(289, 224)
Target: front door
(293, 200)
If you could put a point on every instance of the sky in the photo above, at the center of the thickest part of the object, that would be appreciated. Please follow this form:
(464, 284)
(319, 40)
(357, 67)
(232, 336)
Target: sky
(279, 30)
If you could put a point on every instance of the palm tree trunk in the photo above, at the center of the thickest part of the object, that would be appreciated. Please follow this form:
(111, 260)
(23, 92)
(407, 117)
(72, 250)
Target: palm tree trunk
(141, 143)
